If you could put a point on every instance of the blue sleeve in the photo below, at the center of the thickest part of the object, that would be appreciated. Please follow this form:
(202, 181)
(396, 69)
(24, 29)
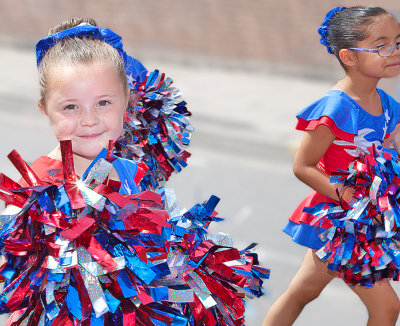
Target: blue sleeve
(336, 106)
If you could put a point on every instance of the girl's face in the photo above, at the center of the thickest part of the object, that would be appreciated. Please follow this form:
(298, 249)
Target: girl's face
(385, 30)
(85, 103)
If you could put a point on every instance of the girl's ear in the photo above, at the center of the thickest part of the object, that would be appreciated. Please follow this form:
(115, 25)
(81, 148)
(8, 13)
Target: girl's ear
(348, 57)
(41, 108)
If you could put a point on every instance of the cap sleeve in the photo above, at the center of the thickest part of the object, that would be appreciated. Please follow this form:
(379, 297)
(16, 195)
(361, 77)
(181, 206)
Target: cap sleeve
(335, 111)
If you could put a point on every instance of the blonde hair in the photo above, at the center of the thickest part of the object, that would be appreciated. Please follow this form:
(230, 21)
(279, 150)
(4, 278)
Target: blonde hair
(76, 51)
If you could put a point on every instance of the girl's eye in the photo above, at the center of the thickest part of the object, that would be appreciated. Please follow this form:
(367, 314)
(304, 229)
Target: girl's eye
(381, 46)
(70, 107)
(103, 103)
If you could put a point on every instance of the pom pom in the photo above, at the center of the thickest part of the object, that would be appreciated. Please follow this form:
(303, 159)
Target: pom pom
(363, 245)
(117, 259)
(156, 130)
(324, 28)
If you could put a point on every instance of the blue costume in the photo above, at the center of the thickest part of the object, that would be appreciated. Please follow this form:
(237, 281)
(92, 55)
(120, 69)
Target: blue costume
(355, 130)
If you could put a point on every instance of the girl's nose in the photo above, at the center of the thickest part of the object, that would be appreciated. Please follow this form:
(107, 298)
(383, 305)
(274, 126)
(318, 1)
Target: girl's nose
(396, 49)
(89, 117)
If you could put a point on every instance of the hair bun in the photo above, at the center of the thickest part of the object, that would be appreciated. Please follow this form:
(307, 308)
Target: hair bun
(323, 29)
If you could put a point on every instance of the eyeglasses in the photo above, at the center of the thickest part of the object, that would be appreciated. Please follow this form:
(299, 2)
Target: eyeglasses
(383, 51)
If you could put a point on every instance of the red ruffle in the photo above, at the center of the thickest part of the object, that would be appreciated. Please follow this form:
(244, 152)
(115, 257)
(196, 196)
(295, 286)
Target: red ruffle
(306, 125)
(298, 216)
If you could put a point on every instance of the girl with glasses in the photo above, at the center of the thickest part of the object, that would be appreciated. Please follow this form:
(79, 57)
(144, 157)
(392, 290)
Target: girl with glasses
(350, 118)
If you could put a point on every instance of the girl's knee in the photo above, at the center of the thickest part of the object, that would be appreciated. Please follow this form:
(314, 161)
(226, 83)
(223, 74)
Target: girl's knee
(387, 314)
(303, 293)
(309, 295)
(393, 309)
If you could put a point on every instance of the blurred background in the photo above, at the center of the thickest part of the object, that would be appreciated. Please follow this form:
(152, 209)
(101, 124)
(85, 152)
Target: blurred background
(245, 68)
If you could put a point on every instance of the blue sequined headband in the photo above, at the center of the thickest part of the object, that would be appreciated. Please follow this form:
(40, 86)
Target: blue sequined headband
(323, 29)
(135, 71)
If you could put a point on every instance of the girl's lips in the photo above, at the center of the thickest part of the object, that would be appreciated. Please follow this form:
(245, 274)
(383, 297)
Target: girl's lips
(394, 64)
(92, 136)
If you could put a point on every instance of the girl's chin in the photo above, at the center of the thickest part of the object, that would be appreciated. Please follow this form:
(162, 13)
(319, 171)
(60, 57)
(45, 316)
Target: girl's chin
(87, 155)
(88, 151)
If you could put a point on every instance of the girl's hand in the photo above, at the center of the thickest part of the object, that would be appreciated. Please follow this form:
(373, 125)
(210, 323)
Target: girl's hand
(346, 194)
(378, 219)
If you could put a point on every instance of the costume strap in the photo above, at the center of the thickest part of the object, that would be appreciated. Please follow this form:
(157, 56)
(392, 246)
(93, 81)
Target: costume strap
(135, 71)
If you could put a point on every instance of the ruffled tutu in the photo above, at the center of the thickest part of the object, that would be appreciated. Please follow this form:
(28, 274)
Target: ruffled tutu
(81, 253)
(363, 244)
(301, 227)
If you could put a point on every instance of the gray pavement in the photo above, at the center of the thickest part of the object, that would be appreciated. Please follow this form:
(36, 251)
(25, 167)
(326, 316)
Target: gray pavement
(242, 151)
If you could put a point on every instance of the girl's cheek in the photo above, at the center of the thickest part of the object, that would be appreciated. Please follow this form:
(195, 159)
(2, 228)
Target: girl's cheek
(63, 129)
(116, 129)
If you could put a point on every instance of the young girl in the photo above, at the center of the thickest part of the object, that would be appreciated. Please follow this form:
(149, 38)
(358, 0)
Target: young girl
(351, 117)
(79, 252)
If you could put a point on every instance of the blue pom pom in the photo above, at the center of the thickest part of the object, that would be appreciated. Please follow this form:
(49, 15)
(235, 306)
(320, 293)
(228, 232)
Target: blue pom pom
(323, 29)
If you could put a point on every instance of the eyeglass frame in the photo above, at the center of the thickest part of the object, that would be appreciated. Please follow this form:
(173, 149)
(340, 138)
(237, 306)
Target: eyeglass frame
(393, 47)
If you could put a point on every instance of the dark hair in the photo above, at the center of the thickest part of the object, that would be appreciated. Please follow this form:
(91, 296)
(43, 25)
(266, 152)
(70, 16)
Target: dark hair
(349, 26)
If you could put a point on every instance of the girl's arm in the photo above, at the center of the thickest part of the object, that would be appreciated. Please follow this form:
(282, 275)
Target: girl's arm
(312, 147)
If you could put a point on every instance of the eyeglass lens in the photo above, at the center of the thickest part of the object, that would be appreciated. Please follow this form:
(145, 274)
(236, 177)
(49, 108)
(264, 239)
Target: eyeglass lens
(387, 50)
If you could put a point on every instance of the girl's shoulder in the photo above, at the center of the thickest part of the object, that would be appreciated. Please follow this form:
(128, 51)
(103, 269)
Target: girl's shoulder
(388, 102)
(46, 168)
(392, 110)
(334, 102)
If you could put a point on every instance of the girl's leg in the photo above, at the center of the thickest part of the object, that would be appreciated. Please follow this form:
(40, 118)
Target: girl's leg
(382, 303)
(307, 284)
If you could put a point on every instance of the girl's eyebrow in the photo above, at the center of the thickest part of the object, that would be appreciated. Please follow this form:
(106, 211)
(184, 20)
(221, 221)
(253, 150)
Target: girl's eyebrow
(108, 95)
(66, 99)
(62, 100)
(384, 38)
(380, 38)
